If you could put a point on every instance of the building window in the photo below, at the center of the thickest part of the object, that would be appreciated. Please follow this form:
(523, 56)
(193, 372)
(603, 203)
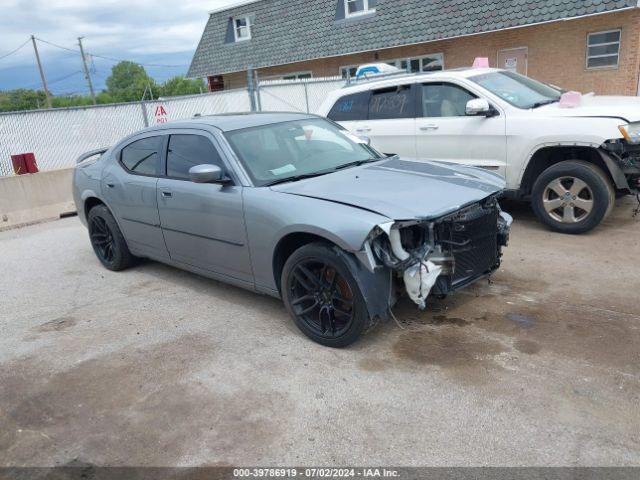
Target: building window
(603, 49)
(349, 71)
(427, 63)
(358, 7)
(242, 28)
(297, 76)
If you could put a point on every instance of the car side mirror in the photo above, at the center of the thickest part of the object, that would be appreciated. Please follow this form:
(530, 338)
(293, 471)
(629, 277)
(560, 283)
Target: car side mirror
(478, 107)
(366, 140)
(206, 174)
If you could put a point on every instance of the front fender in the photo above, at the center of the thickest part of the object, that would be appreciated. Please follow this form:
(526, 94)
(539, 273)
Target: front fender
(528, 134)
(270, 216)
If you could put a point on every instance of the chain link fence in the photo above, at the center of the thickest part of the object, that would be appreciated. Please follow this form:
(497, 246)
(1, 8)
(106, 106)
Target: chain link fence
(58, 136)
(300, 96)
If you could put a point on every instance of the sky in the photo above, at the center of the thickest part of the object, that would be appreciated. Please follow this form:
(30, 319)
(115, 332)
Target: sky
(158, 32)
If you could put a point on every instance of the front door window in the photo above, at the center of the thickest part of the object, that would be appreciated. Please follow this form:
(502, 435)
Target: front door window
(444, 100)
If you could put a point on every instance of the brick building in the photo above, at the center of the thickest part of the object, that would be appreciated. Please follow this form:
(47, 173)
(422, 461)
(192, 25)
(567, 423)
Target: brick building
(584, 45)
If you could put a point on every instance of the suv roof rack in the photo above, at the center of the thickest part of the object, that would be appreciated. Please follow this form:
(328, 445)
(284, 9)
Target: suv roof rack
(385, 76)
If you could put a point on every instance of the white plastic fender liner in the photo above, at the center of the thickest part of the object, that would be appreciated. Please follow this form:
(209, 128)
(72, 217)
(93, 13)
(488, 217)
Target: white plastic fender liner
(396, 244)
(419, 279)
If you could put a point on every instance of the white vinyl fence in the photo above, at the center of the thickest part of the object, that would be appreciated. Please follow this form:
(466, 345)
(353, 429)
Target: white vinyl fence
(58, 136)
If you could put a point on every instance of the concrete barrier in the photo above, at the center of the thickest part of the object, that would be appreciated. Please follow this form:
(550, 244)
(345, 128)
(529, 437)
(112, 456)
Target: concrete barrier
(26, 199)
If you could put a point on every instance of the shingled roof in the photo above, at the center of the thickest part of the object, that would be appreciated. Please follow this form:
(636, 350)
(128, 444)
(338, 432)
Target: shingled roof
(287, 31)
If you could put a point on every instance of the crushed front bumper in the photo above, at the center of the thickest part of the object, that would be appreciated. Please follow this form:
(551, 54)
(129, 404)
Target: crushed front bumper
(443, 255)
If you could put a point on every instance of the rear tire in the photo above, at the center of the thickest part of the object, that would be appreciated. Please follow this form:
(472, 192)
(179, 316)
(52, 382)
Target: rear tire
(107, 240)
(572, 197)
(323, 297)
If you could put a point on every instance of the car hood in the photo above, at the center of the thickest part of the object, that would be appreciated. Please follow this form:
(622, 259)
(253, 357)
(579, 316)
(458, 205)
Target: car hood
(400, 189)
(626, 108)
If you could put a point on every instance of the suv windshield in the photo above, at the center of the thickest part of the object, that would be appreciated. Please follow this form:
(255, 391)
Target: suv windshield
(298, 149)
(518, 90)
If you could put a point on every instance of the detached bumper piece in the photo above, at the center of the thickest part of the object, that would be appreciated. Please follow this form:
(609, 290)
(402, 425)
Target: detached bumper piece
(441, 256)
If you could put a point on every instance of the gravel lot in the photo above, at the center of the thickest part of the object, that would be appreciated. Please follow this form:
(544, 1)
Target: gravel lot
(159, 367)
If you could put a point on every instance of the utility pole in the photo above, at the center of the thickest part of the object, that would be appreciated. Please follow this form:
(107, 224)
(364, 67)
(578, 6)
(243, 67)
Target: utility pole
(44, 80)
(86, 71)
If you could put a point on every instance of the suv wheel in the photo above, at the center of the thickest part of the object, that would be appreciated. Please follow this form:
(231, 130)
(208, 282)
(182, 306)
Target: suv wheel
(572, 197)
(323, 297)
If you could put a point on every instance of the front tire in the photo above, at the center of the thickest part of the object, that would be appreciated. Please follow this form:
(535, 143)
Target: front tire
(107, 240)
(323, 297)
(572, 197)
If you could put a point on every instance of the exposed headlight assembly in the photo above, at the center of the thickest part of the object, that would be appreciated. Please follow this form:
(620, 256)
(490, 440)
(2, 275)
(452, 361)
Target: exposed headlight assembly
(631, 132)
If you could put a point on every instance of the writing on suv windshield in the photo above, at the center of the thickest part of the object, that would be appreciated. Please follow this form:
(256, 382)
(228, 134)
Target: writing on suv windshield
(299, 149)
(518, 90)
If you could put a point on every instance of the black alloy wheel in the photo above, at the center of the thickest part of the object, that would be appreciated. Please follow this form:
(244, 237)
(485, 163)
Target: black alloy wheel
(323, 297)
(107, 240)
(102, 239)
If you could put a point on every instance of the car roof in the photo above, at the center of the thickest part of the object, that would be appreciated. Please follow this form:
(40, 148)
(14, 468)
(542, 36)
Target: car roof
(234, 121)
(395, 79)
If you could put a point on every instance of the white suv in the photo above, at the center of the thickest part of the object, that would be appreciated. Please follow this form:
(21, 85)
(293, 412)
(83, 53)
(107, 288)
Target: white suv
(570, 161)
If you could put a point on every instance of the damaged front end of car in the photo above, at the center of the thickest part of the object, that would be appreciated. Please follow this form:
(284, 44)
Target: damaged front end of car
(438, 256)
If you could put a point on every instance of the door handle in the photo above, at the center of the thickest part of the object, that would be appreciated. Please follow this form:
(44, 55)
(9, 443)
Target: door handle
(167, 194)
(363, 129)
(431, 126)
(111, 185)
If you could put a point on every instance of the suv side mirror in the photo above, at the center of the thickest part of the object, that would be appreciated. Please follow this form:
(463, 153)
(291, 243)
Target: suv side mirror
(478, 107)
(206, 174)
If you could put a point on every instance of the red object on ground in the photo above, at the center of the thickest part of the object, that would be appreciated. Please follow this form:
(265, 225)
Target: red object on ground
(19, 167)
(24, 163)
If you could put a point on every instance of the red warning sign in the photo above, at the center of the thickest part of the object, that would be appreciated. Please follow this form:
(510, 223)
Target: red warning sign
(161, 114)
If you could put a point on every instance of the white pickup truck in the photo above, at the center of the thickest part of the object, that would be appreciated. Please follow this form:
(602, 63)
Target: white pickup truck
(571, 159)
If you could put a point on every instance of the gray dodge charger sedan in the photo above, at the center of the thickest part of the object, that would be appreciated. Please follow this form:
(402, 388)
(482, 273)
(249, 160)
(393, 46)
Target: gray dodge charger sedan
(293, 206)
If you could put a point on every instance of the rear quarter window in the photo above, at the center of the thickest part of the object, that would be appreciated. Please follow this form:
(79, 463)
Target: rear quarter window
(351, 107)
(142, 157)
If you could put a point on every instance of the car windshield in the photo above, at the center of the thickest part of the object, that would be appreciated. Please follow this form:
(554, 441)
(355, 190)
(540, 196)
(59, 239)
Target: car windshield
(289, 151)
(518, 90)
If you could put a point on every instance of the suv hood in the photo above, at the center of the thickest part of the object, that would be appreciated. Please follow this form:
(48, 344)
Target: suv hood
(627, 108)
(400, 189)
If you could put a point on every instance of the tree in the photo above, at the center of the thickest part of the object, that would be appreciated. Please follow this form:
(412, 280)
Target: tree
(182, 86)
(21, 99)
(128, 82)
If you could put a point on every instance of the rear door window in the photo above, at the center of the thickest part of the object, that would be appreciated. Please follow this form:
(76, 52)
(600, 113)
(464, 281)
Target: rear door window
(392, 103)
(142, 157)
(350, 108)
(186, 151)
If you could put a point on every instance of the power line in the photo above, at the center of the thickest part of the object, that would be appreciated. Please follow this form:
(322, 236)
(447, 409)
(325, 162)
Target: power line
(14, 51)
(57, 46)
(104, 57)
(137, 63)
(54, 81)
(58, 80)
